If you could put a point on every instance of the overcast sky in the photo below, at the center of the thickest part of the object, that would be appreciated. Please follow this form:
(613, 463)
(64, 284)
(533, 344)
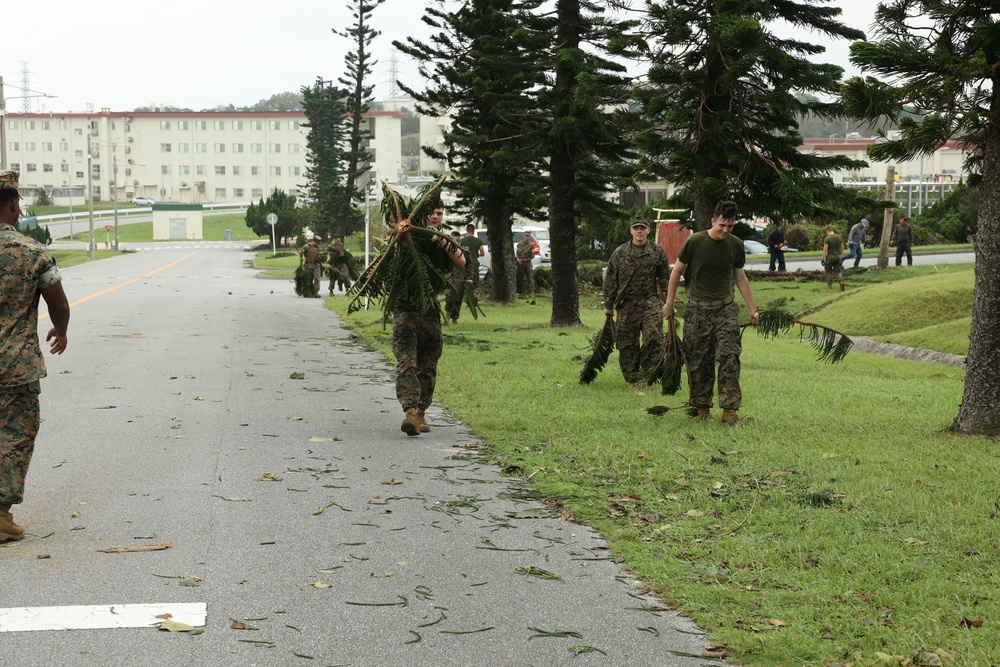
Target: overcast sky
(203, 53)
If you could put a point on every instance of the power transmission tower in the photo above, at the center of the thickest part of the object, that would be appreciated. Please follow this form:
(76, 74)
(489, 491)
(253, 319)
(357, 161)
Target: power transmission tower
(25, 87)
(394, 74)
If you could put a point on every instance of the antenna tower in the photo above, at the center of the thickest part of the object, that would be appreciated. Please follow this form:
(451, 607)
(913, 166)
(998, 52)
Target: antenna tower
(25, 87)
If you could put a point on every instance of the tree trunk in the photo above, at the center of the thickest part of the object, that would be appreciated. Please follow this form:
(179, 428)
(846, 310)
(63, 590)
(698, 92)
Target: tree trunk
(980, 410)
(562, 211)
(702, 209)
(504, 269)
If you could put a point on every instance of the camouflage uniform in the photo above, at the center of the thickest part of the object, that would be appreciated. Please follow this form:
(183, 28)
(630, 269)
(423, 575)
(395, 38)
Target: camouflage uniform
(525, 252)
(26, 268)
(834, 263)
(454, 298)
(337, 257)
(636, 276)
(312, 258)
(711, 319)
(416, 342)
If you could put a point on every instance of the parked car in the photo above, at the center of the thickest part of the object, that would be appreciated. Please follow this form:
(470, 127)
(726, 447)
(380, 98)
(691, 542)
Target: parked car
(142, 201)
(754, 247)
(540, 235)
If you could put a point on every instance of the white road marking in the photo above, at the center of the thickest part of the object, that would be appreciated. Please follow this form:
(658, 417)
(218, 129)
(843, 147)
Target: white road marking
(95, 617)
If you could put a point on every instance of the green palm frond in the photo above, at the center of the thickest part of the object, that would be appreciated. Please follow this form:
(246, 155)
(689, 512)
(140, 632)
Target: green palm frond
(830, 345)
(472, 301)
(604, 344)
(671, 363)
(303, 282)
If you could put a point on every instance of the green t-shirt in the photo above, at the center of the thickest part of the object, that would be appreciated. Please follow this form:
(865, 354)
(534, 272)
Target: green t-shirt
(472, 244)
(834, 244)
(709, 265)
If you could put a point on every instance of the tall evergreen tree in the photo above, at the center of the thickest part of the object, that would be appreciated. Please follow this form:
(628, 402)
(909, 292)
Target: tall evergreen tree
(721, 107)
(941, 59)
(357, 80)
(326, 162)
(588, 147)
(283, 205)
(484, 67)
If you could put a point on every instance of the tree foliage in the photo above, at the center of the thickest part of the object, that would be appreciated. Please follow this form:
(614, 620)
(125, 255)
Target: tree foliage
(721, 108)
(940, 60)
(326, 162)
(588, 144)
(483, 66)
(356, 80)
(282, 204)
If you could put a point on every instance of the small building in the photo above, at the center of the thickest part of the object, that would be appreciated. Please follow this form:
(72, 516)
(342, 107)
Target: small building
(178, 221)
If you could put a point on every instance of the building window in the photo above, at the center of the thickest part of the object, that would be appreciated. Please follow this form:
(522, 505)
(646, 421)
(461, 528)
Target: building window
(183, 169)
(29, 124)
(201, 125)
(294, 171)
(164, 124)
(257, 193)
(254, 125)
(97, 170)
(29, 145)
(183, 148)
(46, 125)
(12, 125)
(276, 171)
(78, 152)
(200, 170)
(274, 148)
(46, 167)
(220, 148)
(274, 124)
(220, 124)
(237, 148)
(201, 148)
(63, 146)
(220, 193)
(47, 146)
(63, 124)
(164, 148)
(78, 131)
(220, 170)
(256, 148)
(294, 192)
(182, 125)
(31, 167)
(238, 125)
(237, 171)
(255, 171)
(293, 125)
(164, 169)
(64, 168)
(15, 146)
(94, 127)
(79, 175)
(238, 193)
(293, 148)
(16, 166)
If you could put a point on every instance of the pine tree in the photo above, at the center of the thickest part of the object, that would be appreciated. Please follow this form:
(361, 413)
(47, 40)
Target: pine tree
(357, 80)
(721, 107)
(588, 145)
(941, 60)
(483, 68)
(326, 161)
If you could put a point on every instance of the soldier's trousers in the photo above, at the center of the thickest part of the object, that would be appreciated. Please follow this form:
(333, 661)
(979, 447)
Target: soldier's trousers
(833, 266)
(316, 271)
(712, 336)
(527, 273)
(643, 319)
(416, 342)
(19, 419)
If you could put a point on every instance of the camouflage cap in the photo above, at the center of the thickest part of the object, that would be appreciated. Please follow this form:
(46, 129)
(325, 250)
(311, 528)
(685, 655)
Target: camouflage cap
(8, 179)
(639, 222)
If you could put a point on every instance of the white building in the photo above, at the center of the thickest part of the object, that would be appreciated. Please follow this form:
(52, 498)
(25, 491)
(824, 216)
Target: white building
(189, 158)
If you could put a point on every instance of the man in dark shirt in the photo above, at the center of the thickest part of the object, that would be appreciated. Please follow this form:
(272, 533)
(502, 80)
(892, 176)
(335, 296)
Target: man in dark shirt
(776, 247)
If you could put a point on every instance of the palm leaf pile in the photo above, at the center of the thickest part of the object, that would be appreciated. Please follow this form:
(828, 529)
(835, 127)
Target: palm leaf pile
(604, 344)
(303, 283)
(830, 344)
(414, 264)
(668, 369)
(342, 280)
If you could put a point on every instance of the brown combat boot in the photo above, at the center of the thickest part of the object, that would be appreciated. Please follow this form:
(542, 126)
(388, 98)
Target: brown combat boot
(422, 424)
(704, 414)
(730, 418)
(841, 285)
(410, 425)
(9, 531)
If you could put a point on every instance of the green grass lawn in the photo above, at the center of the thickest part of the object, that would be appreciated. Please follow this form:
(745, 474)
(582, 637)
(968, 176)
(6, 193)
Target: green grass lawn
(214, 228)
(841, 523)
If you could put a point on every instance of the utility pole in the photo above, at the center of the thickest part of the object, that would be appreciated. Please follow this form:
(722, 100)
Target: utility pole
(3, 128)
(887, 218)
(91, 251)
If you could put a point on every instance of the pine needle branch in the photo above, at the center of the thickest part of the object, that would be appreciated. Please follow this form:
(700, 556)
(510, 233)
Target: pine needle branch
(830, 345)
(604, 344)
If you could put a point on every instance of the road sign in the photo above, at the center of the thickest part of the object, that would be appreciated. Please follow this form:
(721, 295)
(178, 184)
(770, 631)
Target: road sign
(272, 219)
(107, 228)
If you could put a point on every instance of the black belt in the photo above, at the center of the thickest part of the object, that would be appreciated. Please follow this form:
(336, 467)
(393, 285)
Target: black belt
(712, 304)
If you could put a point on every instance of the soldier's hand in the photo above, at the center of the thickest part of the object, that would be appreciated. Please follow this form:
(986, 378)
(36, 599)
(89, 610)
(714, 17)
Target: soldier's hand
(59, 342)
(607, 311)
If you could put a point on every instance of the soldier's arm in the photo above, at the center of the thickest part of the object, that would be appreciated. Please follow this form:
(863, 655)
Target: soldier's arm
(58, 304)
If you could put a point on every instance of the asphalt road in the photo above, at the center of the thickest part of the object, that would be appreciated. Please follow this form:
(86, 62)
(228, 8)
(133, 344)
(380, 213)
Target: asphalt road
(869, 258)
(200, 406)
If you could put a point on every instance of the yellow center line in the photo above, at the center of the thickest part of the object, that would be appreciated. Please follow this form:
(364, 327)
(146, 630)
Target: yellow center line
(129, 282)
